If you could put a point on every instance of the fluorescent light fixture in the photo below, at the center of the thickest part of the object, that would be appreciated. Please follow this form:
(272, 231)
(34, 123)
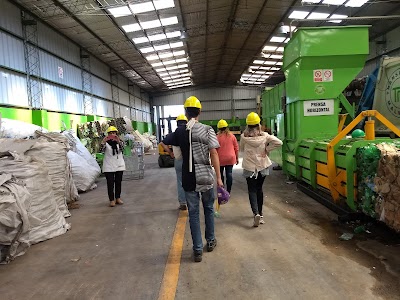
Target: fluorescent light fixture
(334, 16)
(317, 15)
(176, 45)
(277, 39)
(131, 27)
(269, 48)
(276, 56)
(298, 14)
(162, 4)
(146, 50)
(120, 11)
(258, 62)
(150, 24)
(270, 62)
(140, 40)
(173, 34)
(169, 21)
(334, 2)
(356, 3)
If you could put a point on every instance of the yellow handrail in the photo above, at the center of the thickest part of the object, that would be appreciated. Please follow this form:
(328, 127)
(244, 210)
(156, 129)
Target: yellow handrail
(332, 172)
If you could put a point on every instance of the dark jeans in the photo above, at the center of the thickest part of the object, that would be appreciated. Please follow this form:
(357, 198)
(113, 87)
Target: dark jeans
(114, 178)
(229, 178)
(256, 195)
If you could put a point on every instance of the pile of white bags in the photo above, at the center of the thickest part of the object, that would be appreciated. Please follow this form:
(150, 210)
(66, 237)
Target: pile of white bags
(85, 169)
(18, 129)
(146, 143)
(46, 221)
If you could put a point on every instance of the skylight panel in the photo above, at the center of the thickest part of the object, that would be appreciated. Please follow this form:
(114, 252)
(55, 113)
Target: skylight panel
(274, 69)
(150, 24)
(246, 75)
(259, 72)
(270, 62)
(265, 76)
(182, 85)
(169, 21)
(334, 2)
(161, 70)
(180, 75)
(277, 39)
(317, 15)
(279, 63)
(310, 1)
(158, 64)
(131, 27)
(179, 53)
(142, 7)
(166, 55)
(176, 45)
(280, 49)
(276, 56)
(120, 11)
(356, 3)
(146, 50)
(269, 48)
(162, 4)
(153, 57)
(258, 62)
(298, 14)
(173, 34)
(162, 47)
(265, 68)
(140, 40)
(334, 16)
(157, 37)
(261, 79)
(287, 28)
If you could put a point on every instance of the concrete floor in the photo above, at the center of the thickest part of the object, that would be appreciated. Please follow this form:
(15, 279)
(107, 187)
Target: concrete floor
(120, 253)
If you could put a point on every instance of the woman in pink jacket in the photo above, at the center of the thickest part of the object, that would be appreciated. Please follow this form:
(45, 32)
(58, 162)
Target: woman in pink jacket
(228, 152)
(256, 146)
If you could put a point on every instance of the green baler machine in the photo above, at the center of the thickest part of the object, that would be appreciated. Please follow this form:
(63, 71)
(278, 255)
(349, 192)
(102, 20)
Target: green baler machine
(305, 112)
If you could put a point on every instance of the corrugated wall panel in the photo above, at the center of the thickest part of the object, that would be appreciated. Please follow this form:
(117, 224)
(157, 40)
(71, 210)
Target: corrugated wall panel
(11, 52)
(58, 44)
(10, 17)
(242, 114)
(123, 97)
(99, 68)
(138, 103)
(136, 91)
(245, 104)
(145, 96)
(246, 93)
(101, 88)
(56, 98)
(216, 105)
(215, 115)
(122, 82)
(50, 67)
(125, 111)
(103, 107)
(13, 90)
(210, 94)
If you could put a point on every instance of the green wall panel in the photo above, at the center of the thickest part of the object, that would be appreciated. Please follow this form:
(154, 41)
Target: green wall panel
(20, 114)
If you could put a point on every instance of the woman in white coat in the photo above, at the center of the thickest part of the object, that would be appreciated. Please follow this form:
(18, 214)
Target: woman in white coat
(113, 164)
(256, 146)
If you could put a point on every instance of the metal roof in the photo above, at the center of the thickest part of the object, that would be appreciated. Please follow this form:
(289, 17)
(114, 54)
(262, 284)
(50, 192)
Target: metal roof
(221, 38)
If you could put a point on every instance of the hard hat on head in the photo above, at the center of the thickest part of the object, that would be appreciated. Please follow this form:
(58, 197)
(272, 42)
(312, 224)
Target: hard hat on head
(358, 133)
(112, 129)
(222, 124)
(192, 101)
(253, 119)
(181, 118)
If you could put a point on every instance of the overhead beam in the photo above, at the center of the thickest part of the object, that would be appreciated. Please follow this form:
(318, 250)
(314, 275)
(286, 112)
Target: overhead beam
(231, 19)
(60, 5)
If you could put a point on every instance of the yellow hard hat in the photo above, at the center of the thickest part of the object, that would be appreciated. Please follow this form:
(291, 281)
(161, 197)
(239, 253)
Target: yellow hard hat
(111, 129)
(192, 101)
(222, 124)
(253, 119)
(181, 118)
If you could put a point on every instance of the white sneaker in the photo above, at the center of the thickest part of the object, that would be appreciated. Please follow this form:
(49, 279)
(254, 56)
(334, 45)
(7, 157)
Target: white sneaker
(256, 220)
(262, 220)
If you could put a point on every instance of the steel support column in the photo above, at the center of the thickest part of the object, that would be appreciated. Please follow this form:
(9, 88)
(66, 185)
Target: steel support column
(115, 94)
(32, 61)
(87, 86)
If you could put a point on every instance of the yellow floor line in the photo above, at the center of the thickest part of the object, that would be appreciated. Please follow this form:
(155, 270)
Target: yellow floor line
(171, 272)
